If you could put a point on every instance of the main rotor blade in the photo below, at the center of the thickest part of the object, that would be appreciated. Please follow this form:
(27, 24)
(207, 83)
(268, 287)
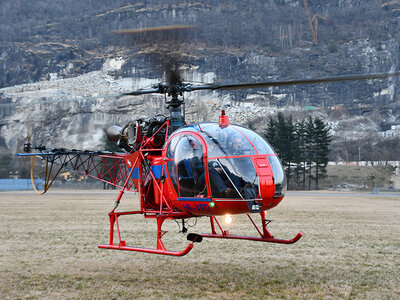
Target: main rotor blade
(37, 100)
(187, 87)
(163, 44)
(152, 29)
(291, 82)
(141, 92)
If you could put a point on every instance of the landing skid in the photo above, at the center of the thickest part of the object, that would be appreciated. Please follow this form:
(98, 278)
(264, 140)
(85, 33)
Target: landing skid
(251, 238)
(160, 233)
(147, 250)
(265, 235)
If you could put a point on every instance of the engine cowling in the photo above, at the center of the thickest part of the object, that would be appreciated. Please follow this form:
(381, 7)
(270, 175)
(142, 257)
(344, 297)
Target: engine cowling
(114, 133)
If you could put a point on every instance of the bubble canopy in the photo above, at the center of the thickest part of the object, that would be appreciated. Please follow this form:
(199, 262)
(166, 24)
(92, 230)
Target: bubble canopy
(229, 141)
(231, 171)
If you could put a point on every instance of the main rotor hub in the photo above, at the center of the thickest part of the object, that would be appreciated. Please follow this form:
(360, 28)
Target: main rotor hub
(174, 104)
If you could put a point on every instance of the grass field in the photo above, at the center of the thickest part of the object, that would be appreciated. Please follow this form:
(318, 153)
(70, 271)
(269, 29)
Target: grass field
(350, 250)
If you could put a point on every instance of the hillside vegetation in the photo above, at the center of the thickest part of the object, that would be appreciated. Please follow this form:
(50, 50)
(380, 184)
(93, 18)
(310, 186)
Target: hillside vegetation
(232, 41)
(41, 36)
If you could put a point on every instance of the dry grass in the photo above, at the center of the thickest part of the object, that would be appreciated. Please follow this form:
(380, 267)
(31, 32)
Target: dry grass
(350, 250)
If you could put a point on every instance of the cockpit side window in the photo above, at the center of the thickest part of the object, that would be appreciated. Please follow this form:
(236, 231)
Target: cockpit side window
(232, 177)
(189, 161)
(279, 176)
(171, 166)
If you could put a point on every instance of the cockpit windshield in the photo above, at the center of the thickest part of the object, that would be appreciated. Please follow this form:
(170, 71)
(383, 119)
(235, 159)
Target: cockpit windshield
(233, 141)
(261, 145)
(226, 142)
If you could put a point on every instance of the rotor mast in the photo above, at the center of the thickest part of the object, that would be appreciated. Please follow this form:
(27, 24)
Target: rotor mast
(177, 119)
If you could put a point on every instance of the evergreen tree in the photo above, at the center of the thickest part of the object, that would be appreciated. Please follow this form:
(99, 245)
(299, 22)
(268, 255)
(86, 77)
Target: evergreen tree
(281, 134)
(288, 144)
(271, 132)
(300, 153)
(282, 139)
(322, 139)
(309, 150)
(303, 148)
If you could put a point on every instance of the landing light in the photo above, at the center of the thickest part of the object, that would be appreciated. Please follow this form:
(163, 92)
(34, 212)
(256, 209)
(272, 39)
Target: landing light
(228, 219)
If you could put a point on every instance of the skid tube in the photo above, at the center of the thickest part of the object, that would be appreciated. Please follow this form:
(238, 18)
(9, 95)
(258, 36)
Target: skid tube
(265, 235)
(160, 233)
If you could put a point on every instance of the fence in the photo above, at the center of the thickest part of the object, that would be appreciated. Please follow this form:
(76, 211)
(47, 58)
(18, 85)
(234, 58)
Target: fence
(385, 190)
(19, 184)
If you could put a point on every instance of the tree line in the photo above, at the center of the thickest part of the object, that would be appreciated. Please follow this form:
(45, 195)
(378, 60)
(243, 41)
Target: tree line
(303, 147)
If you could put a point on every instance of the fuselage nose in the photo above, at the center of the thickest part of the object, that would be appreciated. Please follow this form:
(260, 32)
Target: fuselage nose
(230, 166)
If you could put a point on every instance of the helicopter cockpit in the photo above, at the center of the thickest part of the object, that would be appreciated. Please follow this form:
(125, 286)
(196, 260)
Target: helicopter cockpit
(224, 157)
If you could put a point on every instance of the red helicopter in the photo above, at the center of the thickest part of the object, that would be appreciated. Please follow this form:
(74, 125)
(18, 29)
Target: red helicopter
(181, 171)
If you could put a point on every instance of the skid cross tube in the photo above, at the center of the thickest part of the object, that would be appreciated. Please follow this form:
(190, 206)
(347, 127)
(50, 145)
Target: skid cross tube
(265, 235)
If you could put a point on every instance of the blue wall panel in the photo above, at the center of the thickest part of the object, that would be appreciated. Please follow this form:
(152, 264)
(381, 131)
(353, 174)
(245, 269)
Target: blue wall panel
(19, 184)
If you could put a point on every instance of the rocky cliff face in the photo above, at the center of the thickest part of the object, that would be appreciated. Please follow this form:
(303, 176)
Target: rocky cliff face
(74, 113)
(56, 72)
